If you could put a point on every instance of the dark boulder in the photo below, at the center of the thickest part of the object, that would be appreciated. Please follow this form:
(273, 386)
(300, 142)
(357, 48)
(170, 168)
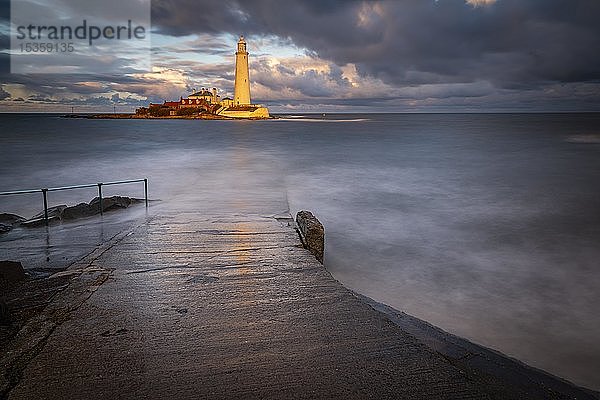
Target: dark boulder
(54, 215)
(35, 222)
(4, 312)
(10, 219)
(312, 233)
(113, 202)
(11, 272)
(81, 210)
(53, 212)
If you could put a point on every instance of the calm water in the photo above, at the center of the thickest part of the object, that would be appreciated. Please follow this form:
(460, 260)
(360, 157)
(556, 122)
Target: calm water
(485, 225)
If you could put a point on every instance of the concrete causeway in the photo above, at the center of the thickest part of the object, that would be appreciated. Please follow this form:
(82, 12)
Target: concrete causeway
(189, 306)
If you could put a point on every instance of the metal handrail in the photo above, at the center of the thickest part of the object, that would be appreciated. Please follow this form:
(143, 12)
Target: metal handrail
(89, 185)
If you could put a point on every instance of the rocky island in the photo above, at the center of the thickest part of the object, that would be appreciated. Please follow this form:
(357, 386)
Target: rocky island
(204, 103)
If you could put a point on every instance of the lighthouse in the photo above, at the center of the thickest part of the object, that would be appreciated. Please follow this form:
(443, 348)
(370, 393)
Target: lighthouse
(241, 106)
(241, 95)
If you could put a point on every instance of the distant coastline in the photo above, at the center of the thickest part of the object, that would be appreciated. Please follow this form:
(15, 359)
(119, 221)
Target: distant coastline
(206, 116)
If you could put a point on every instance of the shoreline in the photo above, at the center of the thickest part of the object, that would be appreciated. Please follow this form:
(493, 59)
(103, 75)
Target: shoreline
(135, 116)
(476, 359)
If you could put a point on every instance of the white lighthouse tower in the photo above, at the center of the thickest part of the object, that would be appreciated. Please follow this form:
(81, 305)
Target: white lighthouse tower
(241, 95)
(241, 106)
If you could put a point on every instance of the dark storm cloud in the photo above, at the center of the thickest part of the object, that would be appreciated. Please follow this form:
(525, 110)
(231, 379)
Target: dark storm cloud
(49, 84)
(512, 43)
(515, 54)
(310, 83)
(182, 17)
(203, 44)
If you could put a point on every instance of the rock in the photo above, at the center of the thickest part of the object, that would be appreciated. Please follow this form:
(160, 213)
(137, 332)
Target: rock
(5, 228)
(4, 312)
(35, 222)
(11, 272)
(81, 210)
(113, 202)
(53, 212)
(312, 233)
(10, 219)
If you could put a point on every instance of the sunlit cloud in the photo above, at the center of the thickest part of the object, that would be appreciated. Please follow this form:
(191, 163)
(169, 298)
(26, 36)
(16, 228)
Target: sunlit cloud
(370, 13)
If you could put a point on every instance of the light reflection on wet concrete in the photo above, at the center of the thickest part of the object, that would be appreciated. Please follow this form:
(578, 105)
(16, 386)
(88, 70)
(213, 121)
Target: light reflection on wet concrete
(45, 250)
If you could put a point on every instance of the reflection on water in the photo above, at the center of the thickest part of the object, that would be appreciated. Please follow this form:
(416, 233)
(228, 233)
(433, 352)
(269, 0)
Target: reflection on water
(486, 225)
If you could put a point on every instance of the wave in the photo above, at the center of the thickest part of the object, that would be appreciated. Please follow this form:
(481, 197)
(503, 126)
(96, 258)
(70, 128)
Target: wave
(300, 119)
(588, 138)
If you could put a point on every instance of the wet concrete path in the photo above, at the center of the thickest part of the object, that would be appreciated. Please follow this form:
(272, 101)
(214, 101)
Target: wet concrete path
(188, 306)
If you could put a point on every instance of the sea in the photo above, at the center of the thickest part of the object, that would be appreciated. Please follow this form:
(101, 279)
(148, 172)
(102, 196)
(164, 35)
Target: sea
(485, 225)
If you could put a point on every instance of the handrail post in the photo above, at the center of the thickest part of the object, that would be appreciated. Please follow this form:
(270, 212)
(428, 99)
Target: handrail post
(45, 193)
(146, 191)
(100, 198)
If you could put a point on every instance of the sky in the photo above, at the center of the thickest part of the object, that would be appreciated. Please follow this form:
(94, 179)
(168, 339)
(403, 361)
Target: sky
(344, 56)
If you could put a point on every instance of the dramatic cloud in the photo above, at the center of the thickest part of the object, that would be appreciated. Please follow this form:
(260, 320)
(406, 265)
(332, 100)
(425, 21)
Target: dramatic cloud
(511, 45)
(407, 55)
(517, 43)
